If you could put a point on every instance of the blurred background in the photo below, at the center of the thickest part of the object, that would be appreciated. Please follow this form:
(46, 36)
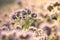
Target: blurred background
(9, 7)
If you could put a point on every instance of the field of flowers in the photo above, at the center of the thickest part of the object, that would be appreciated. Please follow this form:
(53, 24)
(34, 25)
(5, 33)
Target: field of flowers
(29, 20)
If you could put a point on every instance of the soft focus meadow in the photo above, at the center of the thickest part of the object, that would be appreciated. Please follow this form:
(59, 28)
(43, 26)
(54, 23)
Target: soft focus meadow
(29, 20)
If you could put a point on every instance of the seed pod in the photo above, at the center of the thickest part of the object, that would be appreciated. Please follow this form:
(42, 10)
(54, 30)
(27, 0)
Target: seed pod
(4, 29)
(14, 17)
(49, 20)
(29, 12)
(24, 13)
(18, 27)
(33, 15)
(6, 24)
(18, 13)
(50, 8)
(25, 37)
(56, 4)
(55, 18)
(12, 23)
(48, 30)
(32, 29)
(23, 16)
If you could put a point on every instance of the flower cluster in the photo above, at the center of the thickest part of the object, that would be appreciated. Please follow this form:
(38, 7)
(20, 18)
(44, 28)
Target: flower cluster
(26, 25)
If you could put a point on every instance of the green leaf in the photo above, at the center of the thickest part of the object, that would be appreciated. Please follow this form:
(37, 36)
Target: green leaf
(26, 25)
